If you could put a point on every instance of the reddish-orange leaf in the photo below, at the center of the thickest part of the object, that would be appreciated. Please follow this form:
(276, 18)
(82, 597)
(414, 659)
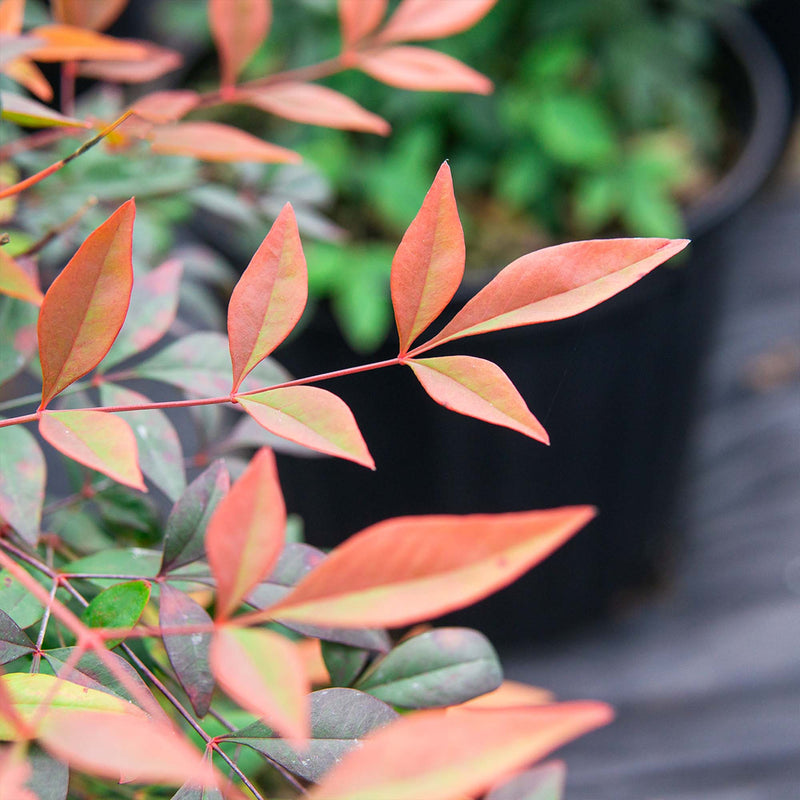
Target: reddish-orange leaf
(410, 569)
(86, 304)
(238, 27)
(96, 439)
(421, 69)
(135, 746)
(30, 76)
(359, 18)
(68, 43)
(264, 673)
(96, 15)
(429, 263)
(510, 694)
(441, 755)
(433, 19)
(477, 388)
(169, 106)
(558, 282)
(213, 141)
(12, 14)
(159, 61)
(246, 533)
(269, 298)
(16, 282)
(312, 417)
(314, 105)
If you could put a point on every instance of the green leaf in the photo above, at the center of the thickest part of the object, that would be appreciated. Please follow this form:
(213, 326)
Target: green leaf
(14, 642)
(29, 113)
(22, 480)
(344, 663)
(129, 517)
(438, 668)
(540, 783)
(186, 526)
(130, 561)
(119, 606)
(18, 602)
(339, 719)
(17, 335)
(49, 778)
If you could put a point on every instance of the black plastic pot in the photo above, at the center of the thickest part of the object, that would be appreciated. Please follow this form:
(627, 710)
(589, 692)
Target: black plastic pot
(615, 388)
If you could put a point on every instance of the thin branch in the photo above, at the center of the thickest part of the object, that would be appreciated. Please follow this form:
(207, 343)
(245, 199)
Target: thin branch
(57, 230)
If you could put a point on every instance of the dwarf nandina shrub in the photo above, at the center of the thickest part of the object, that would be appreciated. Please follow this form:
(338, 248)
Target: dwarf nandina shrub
(189, 660)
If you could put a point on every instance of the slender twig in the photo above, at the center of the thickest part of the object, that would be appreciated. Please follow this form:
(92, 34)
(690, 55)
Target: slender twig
(37, 656)
(57, 230)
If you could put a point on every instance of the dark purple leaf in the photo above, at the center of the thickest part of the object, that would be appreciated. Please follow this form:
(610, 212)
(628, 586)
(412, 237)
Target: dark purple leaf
(14, 642)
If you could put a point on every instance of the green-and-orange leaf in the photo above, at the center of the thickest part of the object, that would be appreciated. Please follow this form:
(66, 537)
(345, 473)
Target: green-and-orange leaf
(16, 282)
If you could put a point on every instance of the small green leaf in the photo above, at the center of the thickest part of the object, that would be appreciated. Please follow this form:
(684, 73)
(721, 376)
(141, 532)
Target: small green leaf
(129, 561)
(18, 602)
(119, 606)
(344, 663)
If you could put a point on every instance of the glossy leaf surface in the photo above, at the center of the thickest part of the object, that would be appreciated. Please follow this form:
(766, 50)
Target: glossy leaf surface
(98, 440)
(14, 281)
(119, 606)
(185, 531)
(269, 298)
(437, 668)
(14, 642)
(238, 28)
(477, 388)
(473, 750)
(429, 263)
(314, 105)
(409, 569)
(28, 113)
(359, 18)
(153, 305)
(540, 783)
(159, 448)
(86, 304)
(312, 417)
(213, 141)
(433, 19)
(263, 672)
(23, 475)
(246, 533)
(188, 653)
(558, 282)
(421, 69)
(340, 718)
(69, 43)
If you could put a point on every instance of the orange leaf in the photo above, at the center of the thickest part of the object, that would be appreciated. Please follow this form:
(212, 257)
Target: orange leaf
(170, 106)
(238, 27)
(557, 282)
(510, 694)
(358, 18)
(97, 15)
(86, 304)
(96, 439)
(68, 43)
(213, 141)
(12, 14)
(442, 755)
(312, 417)
(16, 282)
(421, 69)
(314, 105)
(433, 19)
(477, 388)
(246, 533)
(30, 76)
(263, 672)
(159, 61)
(409, 569)
(269, 298)
(113, 744)
(429, 263)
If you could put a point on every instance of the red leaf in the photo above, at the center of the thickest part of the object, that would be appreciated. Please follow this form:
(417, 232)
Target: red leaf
(314, 105)
(98, 440)
(264, 673)
(557, 282)
(312, 417)
(421, 69)
(359, 18)
(94, 14)
(409, 569)
(158, 61)
(15, 282)
(429, 263)
(441, 755)
(433, 19)
(477, 388)
(269, 298)
(246, 533)
(213, 141)
(169, 106)
(68, 43)
(238, 27)
(86, 305)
